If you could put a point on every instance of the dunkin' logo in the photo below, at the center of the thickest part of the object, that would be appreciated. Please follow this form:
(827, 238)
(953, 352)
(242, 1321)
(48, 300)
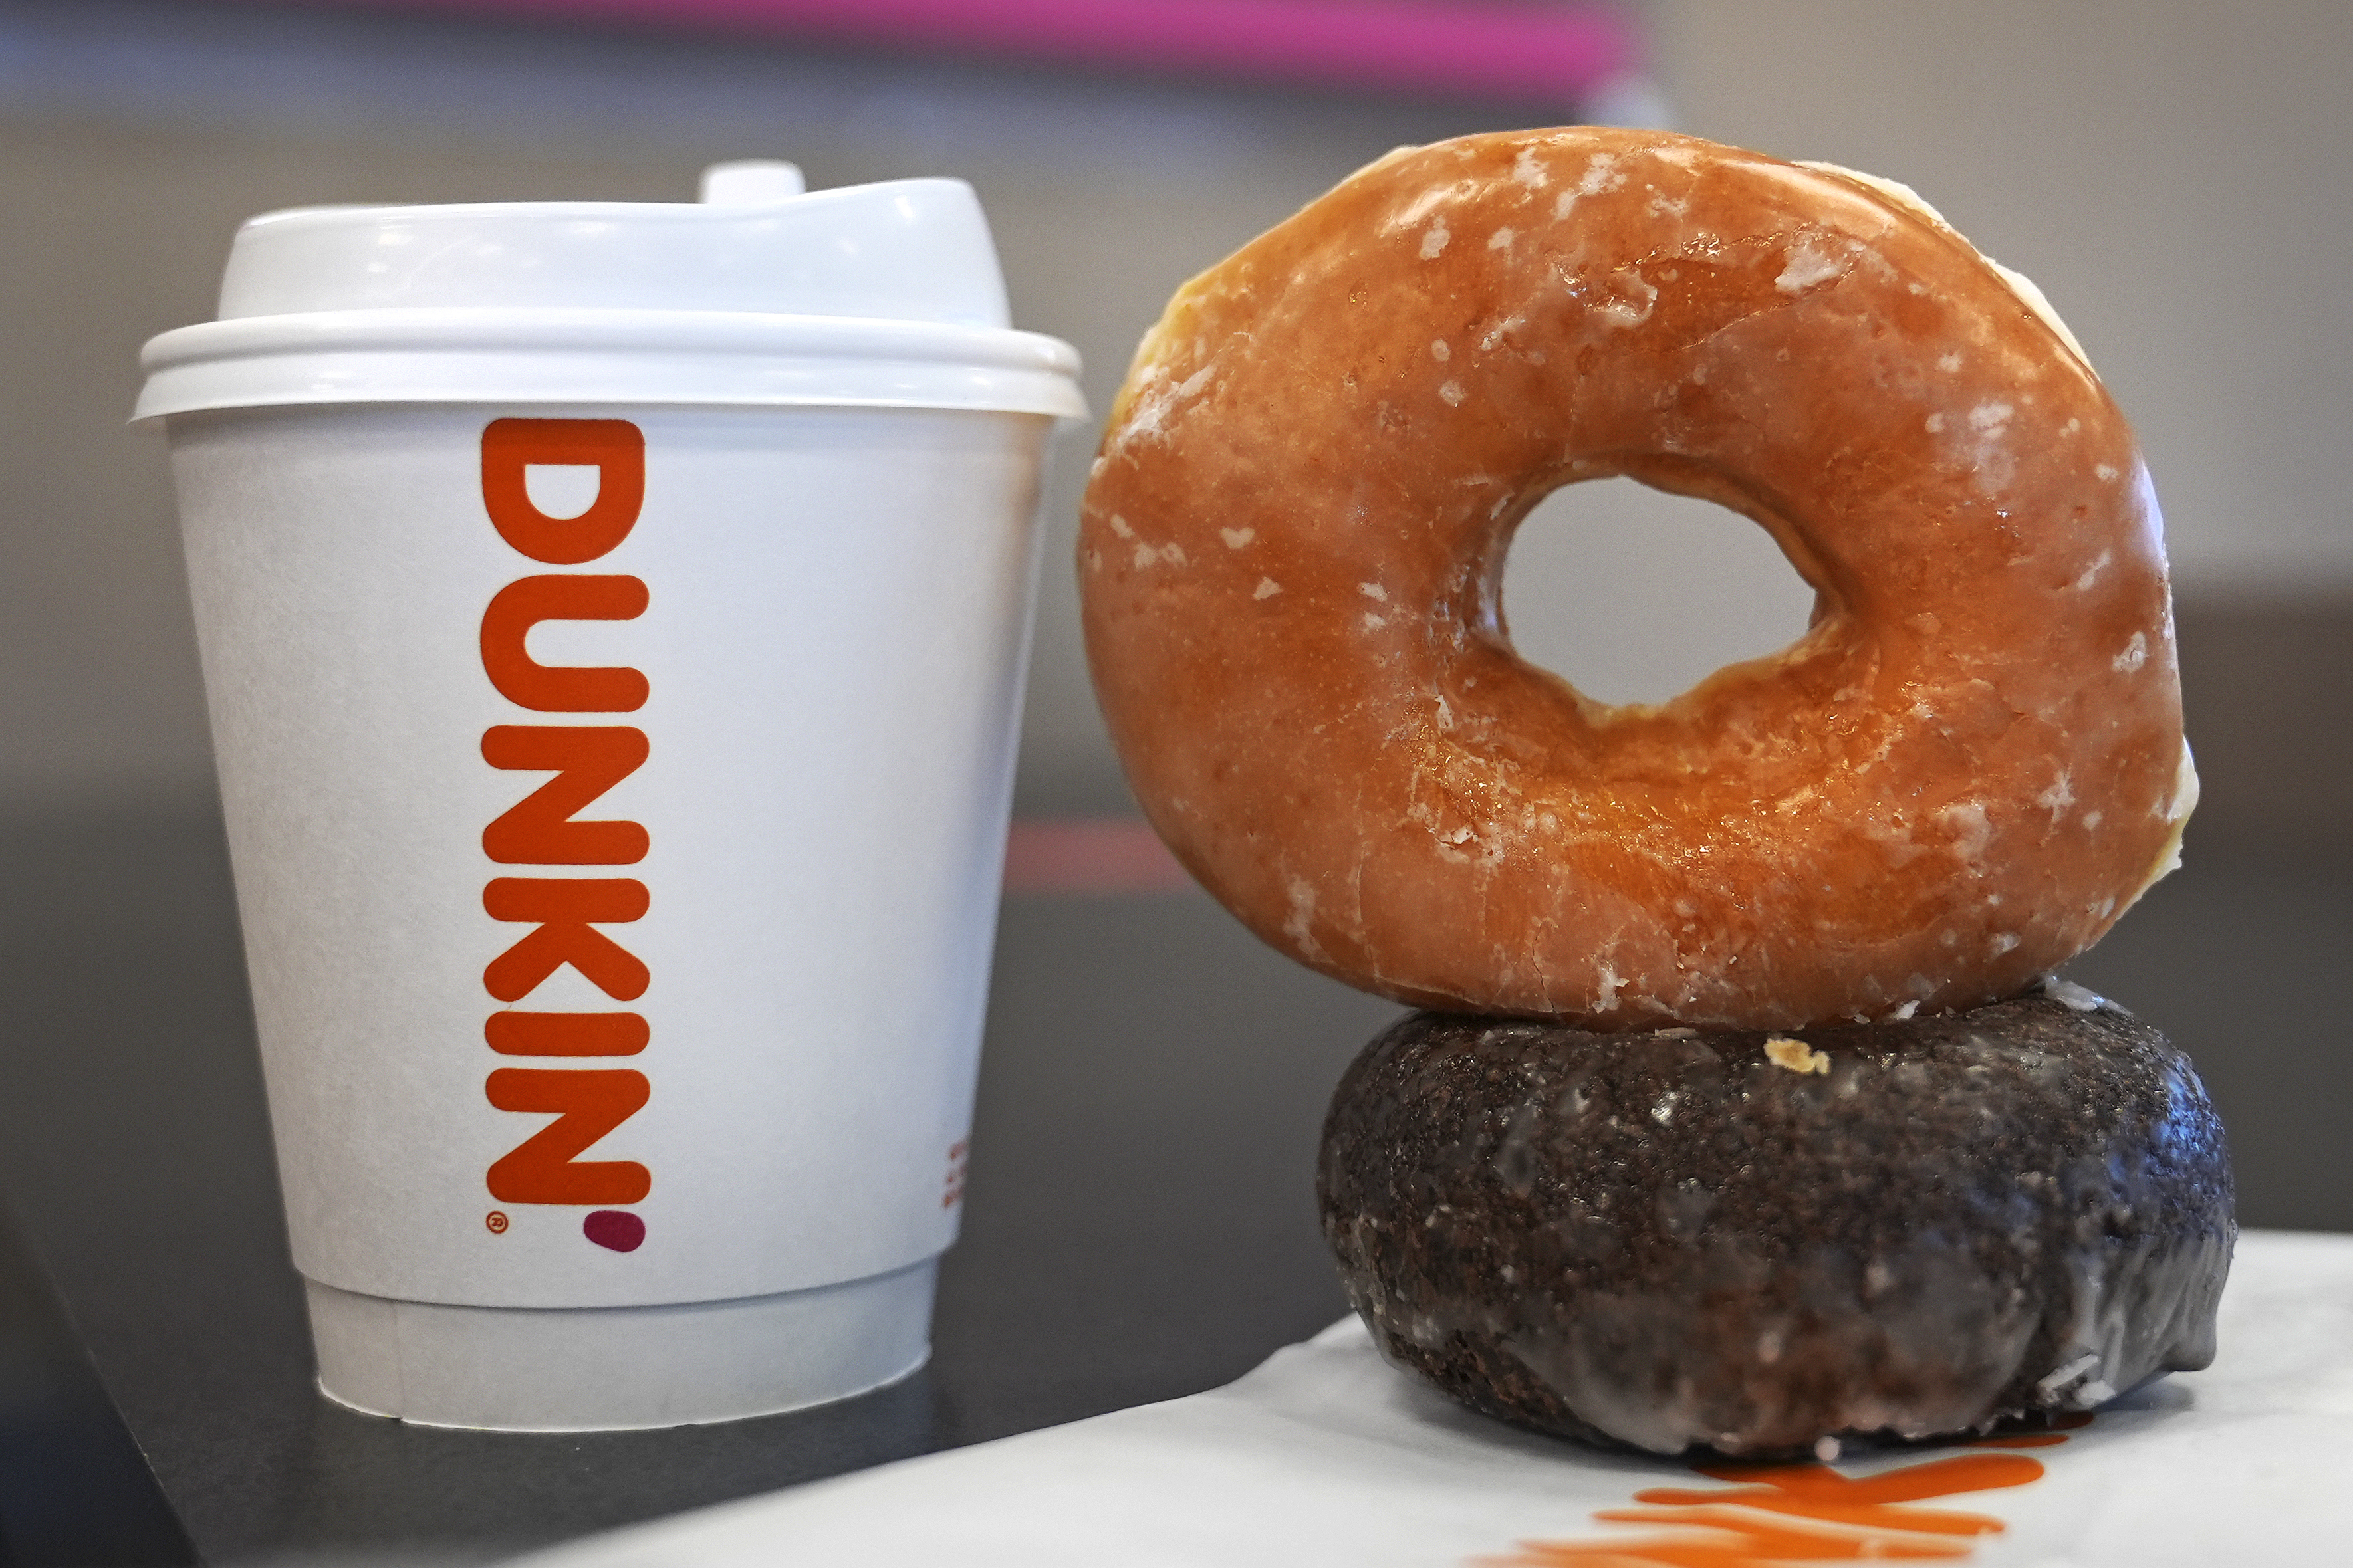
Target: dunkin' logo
(562, 915)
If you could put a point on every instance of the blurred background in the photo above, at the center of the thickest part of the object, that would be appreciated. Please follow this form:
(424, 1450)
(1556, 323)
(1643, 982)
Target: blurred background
(2173, 173)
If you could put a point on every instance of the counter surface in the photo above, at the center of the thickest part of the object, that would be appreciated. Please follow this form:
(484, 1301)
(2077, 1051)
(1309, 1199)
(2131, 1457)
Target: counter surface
(1140, 1219)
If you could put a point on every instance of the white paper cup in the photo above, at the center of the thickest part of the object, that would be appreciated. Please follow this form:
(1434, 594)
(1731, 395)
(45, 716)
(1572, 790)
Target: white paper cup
(617, 787)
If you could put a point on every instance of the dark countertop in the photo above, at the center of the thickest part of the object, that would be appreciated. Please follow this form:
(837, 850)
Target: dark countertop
(1139, 1223)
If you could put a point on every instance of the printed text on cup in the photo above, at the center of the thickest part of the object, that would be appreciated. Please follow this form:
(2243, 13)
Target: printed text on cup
(564, 915)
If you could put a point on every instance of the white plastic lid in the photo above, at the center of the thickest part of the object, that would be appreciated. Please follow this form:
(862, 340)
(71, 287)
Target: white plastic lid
(873, 295)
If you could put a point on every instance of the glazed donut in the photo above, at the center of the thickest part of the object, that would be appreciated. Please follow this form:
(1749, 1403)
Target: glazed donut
(1292, 553)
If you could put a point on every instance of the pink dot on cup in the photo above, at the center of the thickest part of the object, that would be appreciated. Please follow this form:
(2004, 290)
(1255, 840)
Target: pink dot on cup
(616, 1228)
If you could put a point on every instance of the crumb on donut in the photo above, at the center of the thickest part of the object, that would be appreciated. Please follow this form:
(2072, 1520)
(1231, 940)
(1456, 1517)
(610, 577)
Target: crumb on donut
(1796, 1054)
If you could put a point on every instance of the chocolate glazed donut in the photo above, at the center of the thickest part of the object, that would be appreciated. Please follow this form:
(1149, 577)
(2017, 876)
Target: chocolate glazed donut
(1747, 1243)
(1291, 553)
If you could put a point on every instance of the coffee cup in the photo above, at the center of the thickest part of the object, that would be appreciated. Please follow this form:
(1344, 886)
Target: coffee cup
(613, 620)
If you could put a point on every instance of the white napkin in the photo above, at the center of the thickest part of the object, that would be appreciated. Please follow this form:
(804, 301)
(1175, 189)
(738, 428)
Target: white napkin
(1325, 1455)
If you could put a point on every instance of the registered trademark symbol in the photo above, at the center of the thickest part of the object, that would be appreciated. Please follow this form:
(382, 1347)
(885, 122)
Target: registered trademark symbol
(497, 1222)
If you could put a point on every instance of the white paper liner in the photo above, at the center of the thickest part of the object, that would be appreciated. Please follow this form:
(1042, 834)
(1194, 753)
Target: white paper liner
(1326, 1456)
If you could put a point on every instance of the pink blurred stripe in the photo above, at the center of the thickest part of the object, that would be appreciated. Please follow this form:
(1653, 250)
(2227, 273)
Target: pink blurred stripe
(1090, 854)
(1486, 47)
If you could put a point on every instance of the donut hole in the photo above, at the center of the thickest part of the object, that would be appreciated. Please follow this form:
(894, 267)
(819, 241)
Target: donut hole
(1632, 594)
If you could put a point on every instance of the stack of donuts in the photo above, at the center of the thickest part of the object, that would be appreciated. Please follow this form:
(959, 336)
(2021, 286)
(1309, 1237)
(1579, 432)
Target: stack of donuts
(1743, 1112)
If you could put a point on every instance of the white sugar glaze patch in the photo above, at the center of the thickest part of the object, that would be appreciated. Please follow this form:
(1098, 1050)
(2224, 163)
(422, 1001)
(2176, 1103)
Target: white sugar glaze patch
(1156, 405)
(1895, 191)
(2184, 788)
(1807, 267)
(1971, 829)
(2057, 798)
(1905, 198)
(2036, 302)
(1631, 306)
(1600, 174)
(1299, 925)
(1421, 206)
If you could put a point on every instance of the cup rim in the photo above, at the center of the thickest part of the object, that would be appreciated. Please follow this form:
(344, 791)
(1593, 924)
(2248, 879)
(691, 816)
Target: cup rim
(500, 354)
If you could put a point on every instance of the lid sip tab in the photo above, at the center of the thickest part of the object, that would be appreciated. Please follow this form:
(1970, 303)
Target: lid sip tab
(750, 182)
